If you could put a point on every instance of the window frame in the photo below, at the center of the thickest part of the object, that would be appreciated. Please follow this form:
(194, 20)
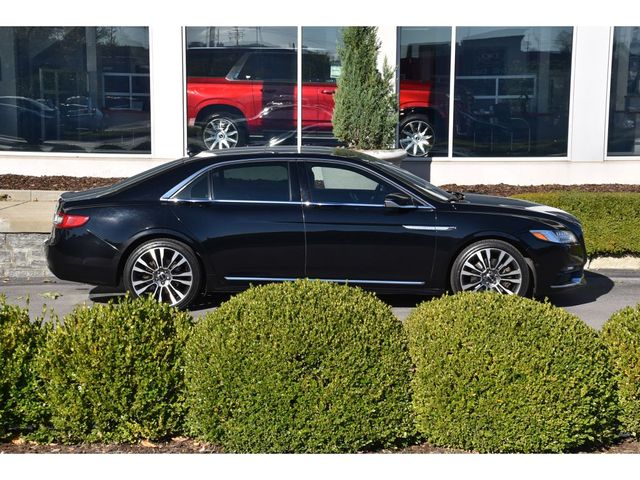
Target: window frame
(304, 174)
(294, 192)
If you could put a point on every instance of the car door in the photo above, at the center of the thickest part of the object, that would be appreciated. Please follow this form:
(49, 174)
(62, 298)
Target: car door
(250, 228)
(352, 236)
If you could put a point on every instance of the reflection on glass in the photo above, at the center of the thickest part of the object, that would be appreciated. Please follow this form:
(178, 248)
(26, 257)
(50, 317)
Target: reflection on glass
(624, 106)
(241, 86)
(512, 91)
(75, 89)
(320, 71)
(425, 65)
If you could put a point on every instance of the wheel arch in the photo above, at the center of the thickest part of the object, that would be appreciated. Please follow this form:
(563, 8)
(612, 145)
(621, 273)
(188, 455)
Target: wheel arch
(495, 235)
(431, 113)
(157, 234)
(210, 109)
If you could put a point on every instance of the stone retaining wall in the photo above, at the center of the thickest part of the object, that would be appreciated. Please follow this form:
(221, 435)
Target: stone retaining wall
(22, 256)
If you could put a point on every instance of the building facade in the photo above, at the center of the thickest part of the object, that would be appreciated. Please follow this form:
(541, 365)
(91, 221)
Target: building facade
(520, 105)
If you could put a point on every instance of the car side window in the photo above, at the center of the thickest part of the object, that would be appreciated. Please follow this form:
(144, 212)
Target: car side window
(196, 190)
(344, 185)
(258, 182)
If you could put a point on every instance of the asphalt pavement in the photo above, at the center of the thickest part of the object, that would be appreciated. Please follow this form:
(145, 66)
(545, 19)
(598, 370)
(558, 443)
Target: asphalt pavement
(606, 292)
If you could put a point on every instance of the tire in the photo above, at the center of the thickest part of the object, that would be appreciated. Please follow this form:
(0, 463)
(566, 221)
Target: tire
(417, 135)
(222, 130)
(490, 265)
(173, 279)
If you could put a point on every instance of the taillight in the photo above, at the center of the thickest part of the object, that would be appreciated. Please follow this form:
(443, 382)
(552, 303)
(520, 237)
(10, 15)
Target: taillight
(64, 220)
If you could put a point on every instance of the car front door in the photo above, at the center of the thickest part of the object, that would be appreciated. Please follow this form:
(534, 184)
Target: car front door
(352, 236)
(250, 226)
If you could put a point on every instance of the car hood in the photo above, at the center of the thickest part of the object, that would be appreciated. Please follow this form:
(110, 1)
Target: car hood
(519, 206)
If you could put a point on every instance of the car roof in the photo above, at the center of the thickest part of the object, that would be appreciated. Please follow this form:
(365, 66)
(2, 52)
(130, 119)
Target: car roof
(283, 152)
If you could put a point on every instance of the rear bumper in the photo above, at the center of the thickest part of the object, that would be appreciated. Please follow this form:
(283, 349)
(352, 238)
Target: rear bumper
(96, 264)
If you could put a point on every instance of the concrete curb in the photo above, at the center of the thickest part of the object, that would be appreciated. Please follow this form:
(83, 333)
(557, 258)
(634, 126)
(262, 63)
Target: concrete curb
(614, 263)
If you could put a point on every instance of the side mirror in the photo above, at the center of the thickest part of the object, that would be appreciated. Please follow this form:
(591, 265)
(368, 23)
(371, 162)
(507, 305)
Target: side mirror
(398, 200)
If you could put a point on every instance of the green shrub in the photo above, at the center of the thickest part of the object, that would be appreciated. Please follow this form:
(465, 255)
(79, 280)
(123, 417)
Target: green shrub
(621, 334)
(611, 221)
(19, 341)
(497, 373)
(299, 367)
(114, 372)
(365, 113)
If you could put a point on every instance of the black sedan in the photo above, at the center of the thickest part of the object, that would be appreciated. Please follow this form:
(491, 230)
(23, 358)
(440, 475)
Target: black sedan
(225, 221)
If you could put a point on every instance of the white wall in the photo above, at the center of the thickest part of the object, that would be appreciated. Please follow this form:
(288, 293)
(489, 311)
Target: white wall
(586, 163)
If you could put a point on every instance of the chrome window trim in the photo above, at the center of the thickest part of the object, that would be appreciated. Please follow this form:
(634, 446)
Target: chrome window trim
(168, 196)
(334, 280)
(421, 203)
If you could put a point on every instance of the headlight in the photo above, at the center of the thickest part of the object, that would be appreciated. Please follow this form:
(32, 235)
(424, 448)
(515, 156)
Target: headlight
(555, 236)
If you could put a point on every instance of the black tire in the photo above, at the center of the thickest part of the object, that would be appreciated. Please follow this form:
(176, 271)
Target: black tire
(490, 265)
(422, 126)
(210, 128)
(165, 277)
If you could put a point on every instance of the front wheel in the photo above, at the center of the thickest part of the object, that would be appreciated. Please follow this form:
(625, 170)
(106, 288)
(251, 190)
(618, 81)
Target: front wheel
(165, 269)
(490, 265)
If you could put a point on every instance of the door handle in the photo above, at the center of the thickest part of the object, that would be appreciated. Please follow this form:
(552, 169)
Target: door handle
(328, 92)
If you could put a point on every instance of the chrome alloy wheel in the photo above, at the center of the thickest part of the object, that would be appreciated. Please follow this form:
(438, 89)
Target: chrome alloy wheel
(163, 273)
(491, 269)
(416, 138)
(220, 133)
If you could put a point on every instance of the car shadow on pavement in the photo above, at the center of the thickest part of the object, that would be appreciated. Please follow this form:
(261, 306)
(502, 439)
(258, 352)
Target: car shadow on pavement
(597, 286)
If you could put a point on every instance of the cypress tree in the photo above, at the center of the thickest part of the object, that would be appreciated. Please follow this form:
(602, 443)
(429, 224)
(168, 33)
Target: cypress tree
(365, 113)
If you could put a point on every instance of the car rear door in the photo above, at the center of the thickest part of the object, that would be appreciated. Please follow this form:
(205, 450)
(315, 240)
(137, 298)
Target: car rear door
(250, 229)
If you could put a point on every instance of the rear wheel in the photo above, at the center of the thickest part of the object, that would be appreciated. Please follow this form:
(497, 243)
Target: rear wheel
(165, 269)
(490, 265)
(222, 131)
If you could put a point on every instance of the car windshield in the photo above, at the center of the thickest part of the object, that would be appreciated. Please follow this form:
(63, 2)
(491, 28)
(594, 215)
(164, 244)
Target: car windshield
(415, 181)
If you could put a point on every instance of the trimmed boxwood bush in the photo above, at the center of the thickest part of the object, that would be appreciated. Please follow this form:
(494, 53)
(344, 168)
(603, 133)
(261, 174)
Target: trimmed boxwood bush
(299, 367)
(19, 341)
(621, 334)
(497, 373)
(114, 373)
(611, 221)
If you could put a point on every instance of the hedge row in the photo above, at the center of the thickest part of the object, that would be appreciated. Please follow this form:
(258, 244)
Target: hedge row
(316, 367)
(611, 221)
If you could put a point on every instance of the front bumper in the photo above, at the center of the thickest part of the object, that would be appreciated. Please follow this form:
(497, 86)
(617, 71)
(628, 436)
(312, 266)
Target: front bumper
(558, 267)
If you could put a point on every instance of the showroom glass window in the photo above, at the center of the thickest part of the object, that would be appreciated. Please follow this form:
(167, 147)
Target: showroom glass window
(512, 91)
(241, 86)
(425, 71)
(75, 89)
(320, 72)
(624, 105)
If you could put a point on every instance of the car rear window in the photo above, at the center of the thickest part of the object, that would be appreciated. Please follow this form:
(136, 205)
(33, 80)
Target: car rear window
(266, 182)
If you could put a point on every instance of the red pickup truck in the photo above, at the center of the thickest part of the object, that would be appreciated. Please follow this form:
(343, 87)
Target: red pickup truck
(235, 96)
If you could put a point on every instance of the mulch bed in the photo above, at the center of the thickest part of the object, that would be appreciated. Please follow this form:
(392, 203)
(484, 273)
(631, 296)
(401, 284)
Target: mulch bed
(59, 182)
(56, 182)
(187, 445)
